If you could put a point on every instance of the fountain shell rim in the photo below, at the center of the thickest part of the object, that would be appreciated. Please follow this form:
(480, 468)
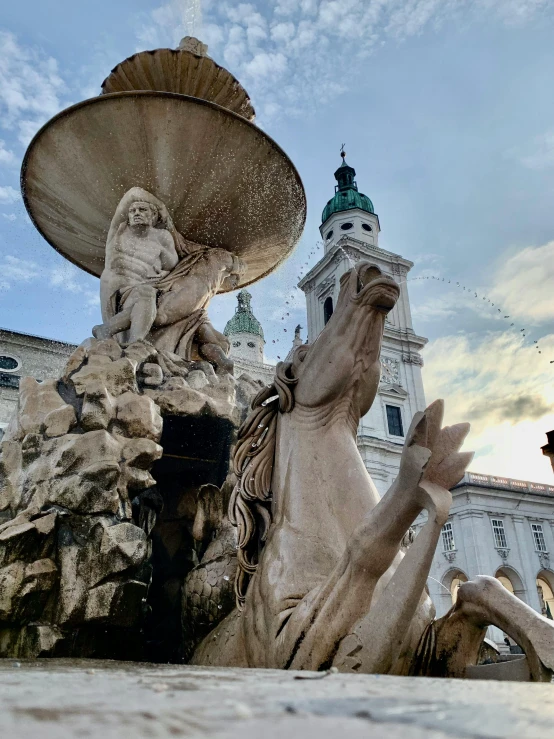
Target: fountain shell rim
(157, 94)
(151, 53)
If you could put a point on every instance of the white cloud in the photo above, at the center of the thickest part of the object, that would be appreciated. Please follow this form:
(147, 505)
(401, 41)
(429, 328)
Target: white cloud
(7, 157)
(524, 283)
(13, 269)
(30, 87)
(292, 40)
(504, 388)
(9, 216)
(64, 277)
(68, 277)
(8, 195)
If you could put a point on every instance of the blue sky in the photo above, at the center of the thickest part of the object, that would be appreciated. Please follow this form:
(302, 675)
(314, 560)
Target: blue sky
(447, 111)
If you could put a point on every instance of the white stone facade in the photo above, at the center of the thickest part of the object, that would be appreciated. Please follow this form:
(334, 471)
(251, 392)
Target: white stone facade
(247, 347)
(354, 223)
(256, 370)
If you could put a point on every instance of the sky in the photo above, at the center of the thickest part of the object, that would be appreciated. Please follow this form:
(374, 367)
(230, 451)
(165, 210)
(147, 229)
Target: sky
(447, 112)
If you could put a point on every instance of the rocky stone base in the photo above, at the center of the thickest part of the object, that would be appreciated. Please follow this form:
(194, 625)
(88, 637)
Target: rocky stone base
(58, 699)
(101, 479)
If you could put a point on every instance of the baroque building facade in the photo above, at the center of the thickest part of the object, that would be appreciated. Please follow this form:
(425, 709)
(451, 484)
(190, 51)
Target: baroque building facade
(499, 527)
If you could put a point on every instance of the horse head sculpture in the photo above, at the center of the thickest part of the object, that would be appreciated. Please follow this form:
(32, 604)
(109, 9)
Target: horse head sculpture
(344, 360)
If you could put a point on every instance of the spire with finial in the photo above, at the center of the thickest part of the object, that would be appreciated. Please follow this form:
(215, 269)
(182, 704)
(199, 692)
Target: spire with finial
(345, 174)
(346, 191)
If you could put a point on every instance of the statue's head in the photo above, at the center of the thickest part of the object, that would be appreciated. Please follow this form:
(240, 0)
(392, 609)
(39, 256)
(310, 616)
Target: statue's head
(142, 213)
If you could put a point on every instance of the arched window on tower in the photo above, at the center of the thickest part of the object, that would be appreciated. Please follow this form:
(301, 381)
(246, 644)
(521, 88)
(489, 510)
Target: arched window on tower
(327, 309)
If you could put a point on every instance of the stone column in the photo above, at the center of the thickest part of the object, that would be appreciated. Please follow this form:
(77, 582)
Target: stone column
(528, 562)
(472, 530)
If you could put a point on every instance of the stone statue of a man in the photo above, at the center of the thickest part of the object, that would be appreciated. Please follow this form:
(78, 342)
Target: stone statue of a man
(156, 285)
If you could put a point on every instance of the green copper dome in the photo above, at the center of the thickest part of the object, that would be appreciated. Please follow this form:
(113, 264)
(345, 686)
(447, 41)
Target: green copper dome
(244, 321)
(346, 194)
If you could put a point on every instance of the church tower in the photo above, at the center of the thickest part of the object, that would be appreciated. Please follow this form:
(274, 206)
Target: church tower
(246, 337)
(350, 232)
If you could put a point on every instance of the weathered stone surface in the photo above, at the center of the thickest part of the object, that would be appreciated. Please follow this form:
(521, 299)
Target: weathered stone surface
(139, 416)
(79, 503)
(32, 639)
(152, 375)
(36, 401)
(103, 375)
(117, 602)
(60, 421)
(197, 380)
(62, 699)
(196, 403)
(121, 547)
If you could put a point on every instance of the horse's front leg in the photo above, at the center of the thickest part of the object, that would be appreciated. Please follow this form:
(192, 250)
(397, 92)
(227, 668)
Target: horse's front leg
(481, 603)
(327, 614)
(384, 630)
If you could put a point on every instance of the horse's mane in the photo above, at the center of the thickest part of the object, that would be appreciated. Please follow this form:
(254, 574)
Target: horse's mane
(250, 503)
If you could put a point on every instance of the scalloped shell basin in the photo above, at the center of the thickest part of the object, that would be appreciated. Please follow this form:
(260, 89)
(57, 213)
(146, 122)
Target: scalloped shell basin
(225, 182)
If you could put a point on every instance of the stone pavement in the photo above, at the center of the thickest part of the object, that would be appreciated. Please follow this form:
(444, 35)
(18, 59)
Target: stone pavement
(56, 699)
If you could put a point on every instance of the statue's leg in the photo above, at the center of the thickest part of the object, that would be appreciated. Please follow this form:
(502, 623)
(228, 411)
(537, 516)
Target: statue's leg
(142, 303)
(138, 315)
(210, 349)
(484, 602)
(173, 306)
(116, 324)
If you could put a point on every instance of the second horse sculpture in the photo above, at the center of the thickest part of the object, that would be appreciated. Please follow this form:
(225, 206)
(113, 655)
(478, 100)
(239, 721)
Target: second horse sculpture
(322, 579)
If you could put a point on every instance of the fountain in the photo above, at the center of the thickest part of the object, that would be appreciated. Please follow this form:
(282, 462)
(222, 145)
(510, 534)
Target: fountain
(147, 514)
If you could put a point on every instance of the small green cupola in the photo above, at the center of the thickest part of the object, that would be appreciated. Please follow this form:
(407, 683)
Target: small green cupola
(244, 321)
(346, 194)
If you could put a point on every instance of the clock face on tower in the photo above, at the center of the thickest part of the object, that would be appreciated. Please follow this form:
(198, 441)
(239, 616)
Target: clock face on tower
(390, 371)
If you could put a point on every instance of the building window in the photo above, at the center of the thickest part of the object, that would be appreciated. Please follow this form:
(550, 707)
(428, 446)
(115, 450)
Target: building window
(394, 420)
(347, 226)
(546, 597)
(327, 309)
(366, 227)
(448, 544)
(538, 536)
(329, 234)
(499, 533)
(251, 344)
(236, 343)
(9, 363)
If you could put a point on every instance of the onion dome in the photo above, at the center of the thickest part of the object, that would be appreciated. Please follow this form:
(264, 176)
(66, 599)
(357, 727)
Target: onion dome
(244, 321)
(346, 194)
